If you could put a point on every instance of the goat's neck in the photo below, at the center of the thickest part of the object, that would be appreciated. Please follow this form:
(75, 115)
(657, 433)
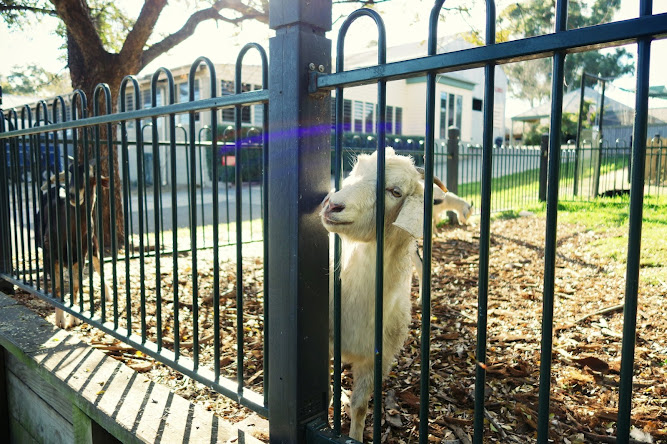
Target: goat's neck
(395, 249)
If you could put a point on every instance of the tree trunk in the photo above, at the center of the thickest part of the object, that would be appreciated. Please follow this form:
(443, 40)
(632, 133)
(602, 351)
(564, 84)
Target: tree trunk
(86, 73)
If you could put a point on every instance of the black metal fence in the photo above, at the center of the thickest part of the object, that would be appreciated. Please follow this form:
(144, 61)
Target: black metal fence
(179, 226)
(147, 307)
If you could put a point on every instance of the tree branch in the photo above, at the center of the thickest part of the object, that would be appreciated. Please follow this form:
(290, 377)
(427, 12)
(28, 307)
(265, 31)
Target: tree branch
(142, 29)
(4, 7)
(213, 13)
(78, 21)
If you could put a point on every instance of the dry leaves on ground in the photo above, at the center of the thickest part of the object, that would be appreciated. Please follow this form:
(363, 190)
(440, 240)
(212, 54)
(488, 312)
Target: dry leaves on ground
(588, 322)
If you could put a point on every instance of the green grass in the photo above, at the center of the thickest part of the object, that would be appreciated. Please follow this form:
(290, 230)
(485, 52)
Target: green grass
(518, 192)
(612, 216)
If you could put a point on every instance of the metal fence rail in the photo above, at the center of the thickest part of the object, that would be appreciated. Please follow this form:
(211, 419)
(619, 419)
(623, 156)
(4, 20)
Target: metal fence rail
(295, 177)
(167, 227)
(557, 45)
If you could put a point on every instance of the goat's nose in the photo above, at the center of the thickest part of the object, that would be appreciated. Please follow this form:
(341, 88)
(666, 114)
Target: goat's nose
(335, 208)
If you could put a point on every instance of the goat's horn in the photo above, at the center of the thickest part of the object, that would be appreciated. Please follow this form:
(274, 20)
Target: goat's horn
(436, 181)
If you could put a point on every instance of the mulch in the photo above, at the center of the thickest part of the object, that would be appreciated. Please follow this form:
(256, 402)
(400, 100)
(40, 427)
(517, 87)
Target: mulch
(588, 324)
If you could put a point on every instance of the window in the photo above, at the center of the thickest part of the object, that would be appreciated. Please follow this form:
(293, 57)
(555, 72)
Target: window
(450, 111)
(258, 110)
(389, 123)
(347, 115)
(399, 120)
(443, 115)
(459, 111)
(477, 104)
(358, 116)
(368, 118)
(129, 106)
(146, 96)
(227, 88)
(184, 96)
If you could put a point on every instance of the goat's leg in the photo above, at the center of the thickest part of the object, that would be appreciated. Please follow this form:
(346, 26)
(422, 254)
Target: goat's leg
(71, 319)
(97, 265)
(60, 314)
(361, 393)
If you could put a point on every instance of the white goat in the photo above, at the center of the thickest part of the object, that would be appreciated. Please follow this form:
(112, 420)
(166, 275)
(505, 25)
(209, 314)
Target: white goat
(448, 201)
(442, 202)
(351, 212)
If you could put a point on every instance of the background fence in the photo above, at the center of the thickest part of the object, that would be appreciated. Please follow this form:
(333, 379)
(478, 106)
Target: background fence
(172, 296)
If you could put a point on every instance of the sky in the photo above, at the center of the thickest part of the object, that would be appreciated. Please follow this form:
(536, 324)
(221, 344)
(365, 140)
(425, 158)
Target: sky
(406, 21)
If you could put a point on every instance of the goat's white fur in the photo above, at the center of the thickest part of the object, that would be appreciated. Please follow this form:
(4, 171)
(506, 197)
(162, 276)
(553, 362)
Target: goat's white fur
(449, 201)
(351, 212)
(442, 202)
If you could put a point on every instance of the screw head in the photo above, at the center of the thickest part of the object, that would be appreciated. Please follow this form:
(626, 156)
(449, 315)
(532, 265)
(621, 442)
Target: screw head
(321, 68)
(311, 66)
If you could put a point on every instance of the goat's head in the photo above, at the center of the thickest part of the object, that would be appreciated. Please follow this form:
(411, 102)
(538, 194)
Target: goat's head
(76, 176)
(351, 210)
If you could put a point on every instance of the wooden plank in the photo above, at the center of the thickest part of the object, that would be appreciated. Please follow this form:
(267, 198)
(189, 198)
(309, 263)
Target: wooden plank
(18, 434)
(4, 407)
(48, 393)
(115, 397)
(83, 427)
(41, 421)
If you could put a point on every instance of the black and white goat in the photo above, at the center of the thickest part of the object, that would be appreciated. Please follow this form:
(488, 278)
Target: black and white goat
(58, 239)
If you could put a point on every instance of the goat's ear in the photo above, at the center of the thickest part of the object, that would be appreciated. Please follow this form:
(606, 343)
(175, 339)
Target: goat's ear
(411, 216)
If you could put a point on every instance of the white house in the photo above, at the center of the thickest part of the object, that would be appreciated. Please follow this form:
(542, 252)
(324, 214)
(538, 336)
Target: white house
(459, 97)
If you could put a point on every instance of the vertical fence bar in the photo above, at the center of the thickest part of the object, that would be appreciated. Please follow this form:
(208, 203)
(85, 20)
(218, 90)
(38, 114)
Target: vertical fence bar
(635, 231)
(544, 167)
(429, 155)
(174, 232)
(577, 147)
(127, 216)
(599, 157)
(238, 183)
(485, 229)
(25, 145)
(5, 245)
(213, 85)
(299, 134)
(75, 179)
(550, 246)
(265, 224)
(193, 213)
(337, 288)
(101, 88)
(453, 155)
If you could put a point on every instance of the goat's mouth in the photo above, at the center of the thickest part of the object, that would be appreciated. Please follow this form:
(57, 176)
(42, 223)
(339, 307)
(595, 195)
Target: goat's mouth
(326, 218)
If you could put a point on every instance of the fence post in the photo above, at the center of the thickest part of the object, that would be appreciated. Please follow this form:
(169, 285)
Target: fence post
(5, 244)
(300, 177)
(544, 164)
(453, 134)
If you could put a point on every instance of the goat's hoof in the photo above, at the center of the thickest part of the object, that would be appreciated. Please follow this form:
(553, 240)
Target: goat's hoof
(72, 321)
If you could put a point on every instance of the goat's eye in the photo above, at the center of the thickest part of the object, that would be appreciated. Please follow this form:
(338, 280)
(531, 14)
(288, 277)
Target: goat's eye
(395, 192)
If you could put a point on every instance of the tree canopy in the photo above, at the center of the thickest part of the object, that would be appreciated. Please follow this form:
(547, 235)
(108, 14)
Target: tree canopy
(104, 44)
(531, 80)
(536, 17)
(33, 80)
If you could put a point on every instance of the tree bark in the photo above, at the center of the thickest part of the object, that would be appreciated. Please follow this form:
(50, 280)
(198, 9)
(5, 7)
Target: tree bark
(91, 64)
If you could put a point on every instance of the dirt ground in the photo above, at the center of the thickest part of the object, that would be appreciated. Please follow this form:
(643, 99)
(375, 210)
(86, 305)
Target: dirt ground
(588, 320)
